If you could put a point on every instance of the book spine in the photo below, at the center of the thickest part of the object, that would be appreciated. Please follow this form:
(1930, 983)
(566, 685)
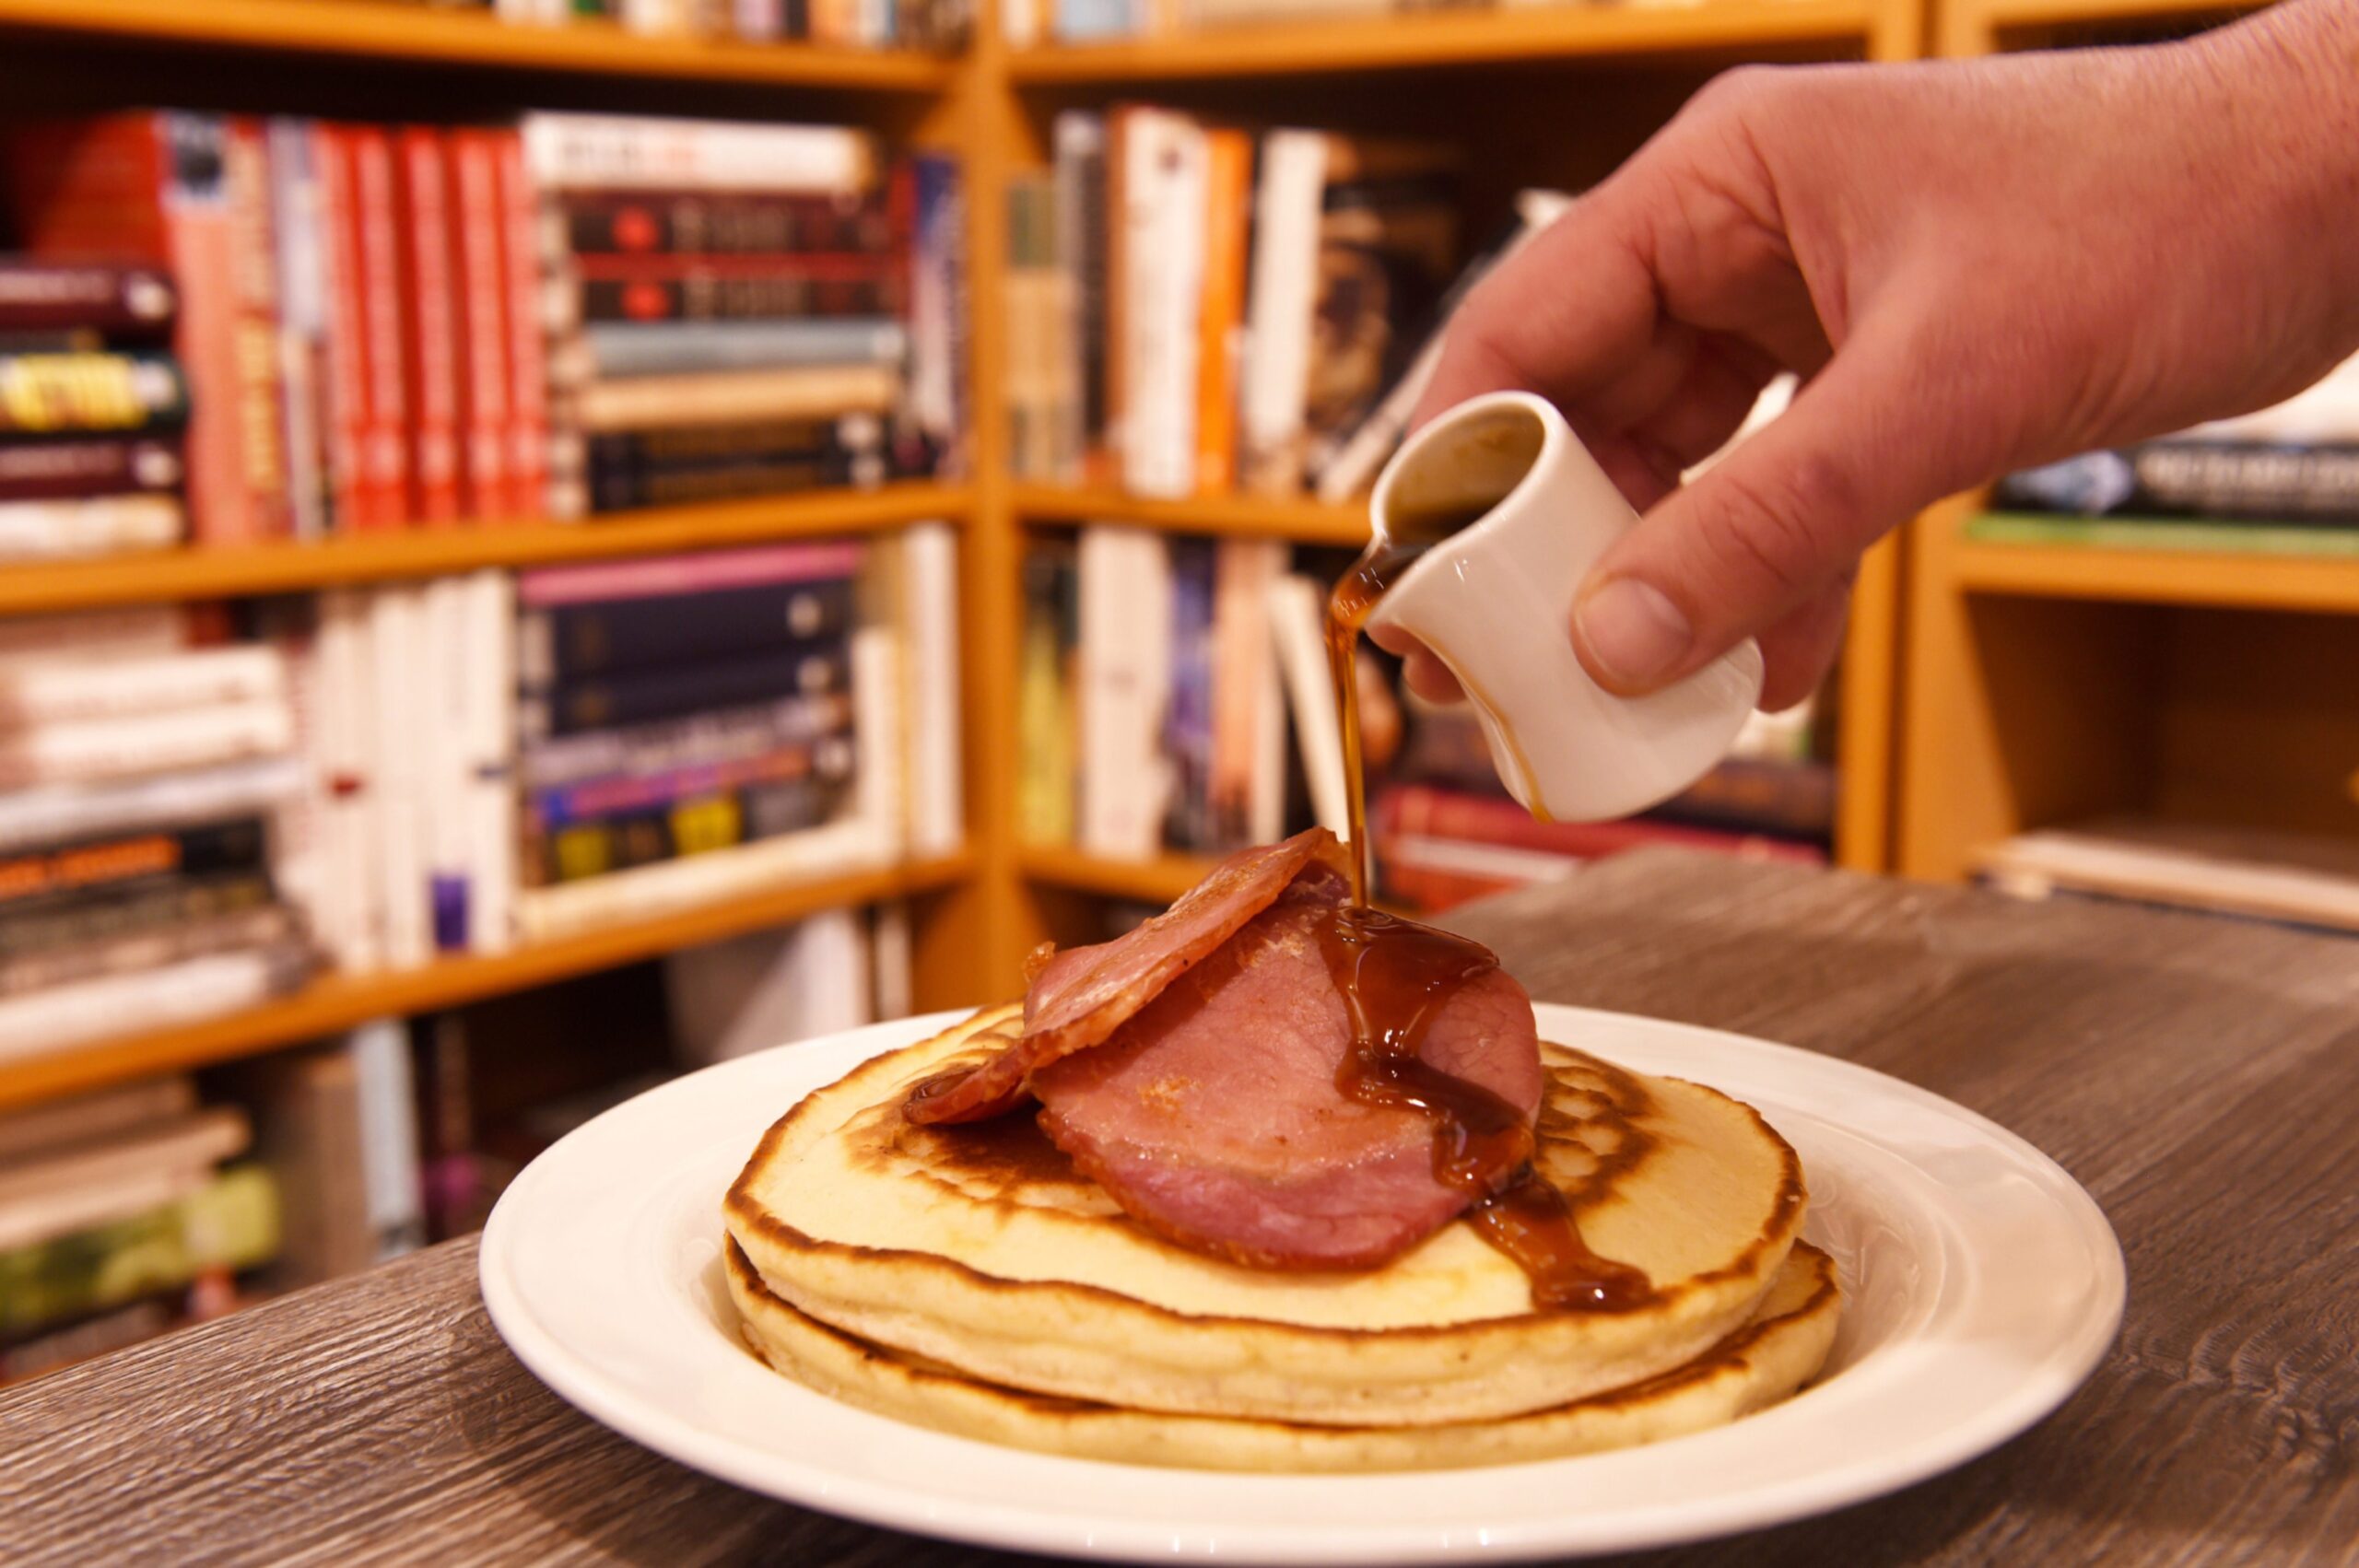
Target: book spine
(396, 772)
(125, 954)
(114, 688)
(528, 405)
(1285, 287)
(598, 800)
(107, 749)
(480, 290)
(656, 402)
(1432, 814)
(90, 392)
(1044, 697)
(697, 223)
(111, 467)
(445, 761)
(573, 643)
(261, 413)
(704, 825)
(1081, 258)
(128, 301)
(491, 782)
(674, 576)
(704, 740)
(344, 374)
(1229, 179)
(937, 791)
(811, 297)
(377, 249)
(1192, 719)
(657, 348)
(936, 226)
(33, 816)
(299, 256)
(57, 924)
(51, 1019)
(572, 152)
(653, 892)
(428, 329)
(348, 923)
(89, 525)
(667, 693)
(117, 864)
(779, 474)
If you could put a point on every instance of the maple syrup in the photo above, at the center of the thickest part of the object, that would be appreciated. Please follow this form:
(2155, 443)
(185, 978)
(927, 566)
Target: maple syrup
(1396, 975)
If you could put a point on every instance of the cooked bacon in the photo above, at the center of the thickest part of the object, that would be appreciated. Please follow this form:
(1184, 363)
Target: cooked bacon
(1081, 996)
(1214, 1116)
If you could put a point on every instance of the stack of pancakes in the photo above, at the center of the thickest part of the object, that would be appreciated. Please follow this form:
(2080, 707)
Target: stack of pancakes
(969, 1278)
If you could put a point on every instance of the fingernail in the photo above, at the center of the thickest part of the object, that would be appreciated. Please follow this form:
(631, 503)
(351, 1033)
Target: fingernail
(1633, 633)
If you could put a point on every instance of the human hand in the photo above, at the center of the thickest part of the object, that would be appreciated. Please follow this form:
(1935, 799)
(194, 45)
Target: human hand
(1976, 266)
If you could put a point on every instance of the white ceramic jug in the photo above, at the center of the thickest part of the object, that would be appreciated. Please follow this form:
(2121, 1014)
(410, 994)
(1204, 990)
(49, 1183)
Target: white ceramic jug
(1493, 601)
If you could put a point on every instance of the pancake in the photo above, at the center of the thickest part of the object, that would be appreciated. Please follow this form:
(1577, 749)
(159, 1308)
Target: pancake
(1775, 1353)
(980, 1249)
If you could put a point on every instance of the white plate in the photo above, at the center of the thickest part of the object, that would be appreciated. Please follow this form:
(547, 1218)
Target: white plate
(1983, 1284)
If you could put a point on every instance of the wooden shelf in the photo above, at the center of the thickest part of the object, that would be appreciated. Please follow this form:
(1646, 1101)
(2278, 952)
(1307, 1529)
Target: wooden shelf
(2157, 576)
(214, 572)
(2011, 14)
(1303, 520)
(1158, 881)
(1421, 40)
(418, 35)
(340, 1001)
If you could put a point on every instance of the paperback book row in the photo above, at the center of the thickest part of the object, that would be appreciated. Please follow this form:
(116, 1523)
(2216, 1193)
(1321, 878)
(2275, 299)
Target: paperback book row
(407, 326)
(1174, 696)
(92, 407)
(370, 778)
(2285, 480)
(936, 25)
(1196, 308)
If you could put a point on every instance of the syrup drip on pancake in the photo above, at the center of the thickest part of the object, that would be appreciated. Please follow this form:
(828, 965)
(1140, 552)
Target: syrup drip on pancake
(1396, 974)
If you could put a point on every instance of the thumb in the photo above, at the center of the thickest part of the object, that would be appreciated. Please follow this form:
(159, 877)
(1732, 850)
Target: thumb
(1768, 529)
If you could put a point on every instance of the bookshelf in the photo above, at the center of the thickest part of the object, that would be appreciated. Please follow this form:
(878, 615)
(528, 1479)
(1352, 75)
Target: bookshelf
(1480, 75)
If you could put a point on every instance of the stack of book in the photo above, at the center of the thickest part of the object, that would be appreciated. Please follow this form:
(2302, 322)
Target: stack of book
(731, 305)
(2284, 481)
(2301, 879)
(366, 312)
(1194, 308)
(138, 777)
(905, 24)
(122, 1214)
(91, 405)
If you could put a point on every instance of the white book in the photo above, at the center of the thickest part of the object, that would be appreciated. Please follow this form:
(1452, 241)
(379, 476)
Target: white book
(442, 680)
(102, 633)
(54, 812)
(51, 1126)
(1125, 683)
(891, 954)
(564, 151)
(71, 691)
(299, 864)
(397, 774)
(830, 971)
(667, 887)
(929, 599)
(302, 277)
(1019, 22)
(67, 1190)
(491, 761)
(348, 923)
(1165, 189)
(1280, 294)
(102, 749)
(93, 525)
(1297, 620)
(880, 729)
(39, 1023)
(388, 1098)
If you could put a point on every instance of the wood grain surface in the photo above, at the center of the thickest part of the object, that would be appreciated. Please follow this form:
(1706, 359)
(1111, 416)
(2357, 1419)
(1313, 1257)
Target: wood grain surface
(2199, 1076)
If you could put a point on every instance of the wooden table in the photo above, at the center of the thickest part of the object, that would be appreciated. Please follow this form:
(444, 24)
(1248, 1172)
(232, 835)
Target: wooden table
(2199, 1076)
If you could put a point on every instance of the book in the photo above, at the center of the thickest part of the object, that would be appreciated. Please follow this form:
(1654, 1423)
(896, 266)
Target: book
(1159, 220)
(343, 381)
(1045, 713)
(100, 750)
(430, 312)
(1079, 241)
(46, 1021)
(121, 301)
(59, 925)
(706, 823)
(1248, 778)
(1028, 302)
(1405, 813)
(613, 152)
(2299, 878)
(389, 1135)
(707, 739)
(307, 1134)
(100, 633)
(226, 1223)
(931, 191)
(803, 292)
(119, 863)
(833, 463)
(806, 668)
(298, 217)
(60, 813)
(653, 892)
(528, 400)
(187, 194)
(622, 795)
(397, 774)
(572, 642)
(488, 780)
(90, 392)
(1228, 176)
(616, 350)
(935, 699)
(2162, 533)
(1123, 681)
(97, 1114)
(806, 392)
(118, 687)
(708, 223)
(59, 1192)
(479, 291)
(1188, 712)
(681, 576)
(1793, 799)
(383, 346)
(89, 525)
(1298, 608)
(770, 988)
(263, 926)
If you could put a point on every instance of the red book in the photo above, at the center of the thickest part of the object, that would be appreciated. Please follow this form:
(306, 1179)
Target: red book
(1423, 811)
(347, 345)
(188, 192)
(528, 406)
(428, 331)
(481, 292)
(376, 247)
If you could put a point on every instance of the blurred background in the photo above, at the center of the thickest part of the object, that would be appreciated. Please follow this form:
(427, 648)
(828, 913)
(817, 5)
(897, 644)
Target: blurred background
(550, 543)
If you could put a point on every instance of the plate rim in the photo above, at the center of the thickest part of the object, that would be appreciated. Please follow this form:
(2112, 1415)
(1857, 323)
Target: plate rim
(1028, 1526)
